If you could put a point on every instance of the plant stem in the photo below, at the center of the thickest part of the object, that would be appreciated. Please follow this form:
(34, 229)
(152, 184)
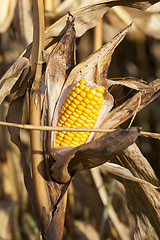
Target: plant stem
(35, 111)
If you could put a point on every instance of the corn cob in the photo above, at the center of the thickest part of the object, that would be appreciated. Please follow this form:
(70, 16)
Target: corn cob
(80, 109)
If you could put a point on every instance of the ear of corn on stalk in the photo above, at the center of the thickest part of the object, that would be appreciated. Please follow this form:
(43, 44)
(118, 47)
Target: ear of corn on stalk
(80, 109)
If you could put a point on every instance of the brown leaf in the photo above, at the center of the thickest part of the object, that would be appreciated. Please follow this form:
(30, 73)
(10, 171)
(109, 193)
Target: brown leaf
(89, 16)
(92, 154)
(12, 76)
(128, 108)
(143, 201)
(61, 61)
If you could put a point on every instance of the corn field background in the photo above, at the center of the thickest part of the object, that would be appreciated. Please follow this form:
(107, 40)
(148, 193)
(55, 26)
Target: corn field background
(96, 201)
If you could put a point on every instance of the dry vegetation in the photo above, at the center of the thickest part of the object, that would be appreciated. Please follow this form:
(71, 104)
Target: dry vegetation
(106, 188)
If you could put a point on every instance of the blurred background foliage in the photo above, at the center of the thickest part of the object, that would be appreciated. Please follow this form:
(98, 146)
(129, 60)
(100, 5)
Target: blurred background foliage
(137, 56)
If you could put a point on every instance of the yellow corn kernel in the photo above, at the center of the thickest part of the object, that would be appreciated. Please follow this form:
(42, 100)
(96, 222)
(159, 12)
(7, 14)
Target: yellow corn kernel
(80, 109)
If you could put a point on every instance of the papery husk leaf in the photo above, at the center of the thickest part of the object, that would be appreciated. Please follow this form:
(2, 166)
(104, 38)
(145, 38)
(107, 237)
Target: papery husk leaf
(124, 173)
(86, 70)
(130, 84)
(123, 112)
(8, 81)
(92, 154)
(60, 63)
(143, 200)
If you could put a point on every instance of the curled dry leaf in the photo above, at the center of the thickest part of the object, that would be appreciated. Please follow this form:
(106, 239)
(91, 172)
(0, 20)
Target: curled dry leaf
(11, 77)
(92, 154)
(143, 200)
(124, 173)
(128, 108)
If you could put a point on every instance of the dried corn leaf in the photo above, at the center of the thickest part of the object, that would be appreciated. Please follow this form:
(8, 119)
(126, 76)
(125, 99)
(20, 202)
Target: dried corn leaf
(12, 76)
(131, 84)
(85, 230)
(124, 173)
(7, 9)
(92, 154)
(88, 17)
(147, 21)
(60, 63)
(128, 108)
(102, 57)
(143, 201)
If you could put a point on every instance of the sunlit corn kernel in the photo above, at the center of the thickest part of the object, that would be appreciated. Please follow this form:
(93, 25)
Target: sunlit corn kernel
(77, 124)
(99, 95)
(93, 92)
(74, 144)
(75, 101)
(73, 118)
(100, 90)
(82, 86)
(83, 117)
(73, 105)
(93, 103)
(86, 101)
(85, 114)
(75, 114)
(66, 105)
(90, 107)
(83, 104)
(64, 144)
(68, 138)
(88, 111)
(79, 98)
(77, 91)
(85, 125)
(67, 124)
(59, 125)
(82, 81)
(63, 118)
(86, 89)
(95, 112)
(78, 135)
(75, 139)
(59, 138)
(61, 134)
(71, 109)
(68, 101)
(70, 121)
(71, 98)
(74, 94)
(95, 98)
(70, 134)
(80, 121)
(66, 141)
(89, 96)
(78, 111)
(80, 107)
(82, 94)
(68, 112)
(61, 121)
